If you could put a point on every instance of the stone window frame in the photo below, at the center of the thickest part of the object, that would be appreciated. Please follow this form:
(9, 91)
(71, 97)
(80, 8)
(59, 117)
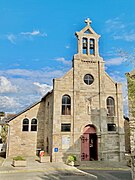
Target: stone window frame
(25, 125)
(88, 79)
(34, 125)
(92, 46)
(111, 127)
(66, 105)
(88, 46)
(65, 127)
(110, 104)
(84, 45)
(29, 125)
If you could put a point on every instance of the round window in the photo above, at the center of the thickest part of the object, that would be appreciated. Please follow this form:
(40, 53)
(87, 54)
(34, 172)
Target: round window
(88, 79)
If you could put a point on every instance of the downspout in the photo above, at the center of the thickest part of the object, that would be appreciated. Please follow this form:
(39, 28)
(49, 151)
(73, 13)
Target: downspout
(99, 88)
(52, 129)
(7, 148)
(117, 104)
(118, 115)
(73, 105)
(51, 133)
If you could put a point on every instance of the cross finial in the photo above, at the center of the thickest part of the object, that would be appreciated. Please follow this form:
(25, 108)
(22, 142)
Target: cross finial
(88, 21)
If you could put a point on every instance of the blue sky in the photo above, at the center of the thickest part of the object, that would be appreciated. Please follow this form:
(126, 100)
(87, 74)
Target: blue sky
(37, 43)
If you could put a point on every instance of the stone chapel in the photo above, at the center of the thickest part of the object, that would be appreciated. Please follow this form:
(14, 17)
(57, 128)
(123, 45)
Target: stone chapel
(82, 115)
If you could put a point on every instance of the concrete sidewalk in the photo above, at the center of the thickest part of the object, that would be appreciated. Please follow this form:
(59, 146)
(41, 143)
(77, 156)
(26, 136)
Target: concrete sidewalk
(33, 165)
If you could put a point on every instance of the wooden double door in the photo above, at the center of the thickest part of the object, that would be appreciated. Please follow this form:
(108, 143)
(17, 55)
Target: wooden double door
(89, 147)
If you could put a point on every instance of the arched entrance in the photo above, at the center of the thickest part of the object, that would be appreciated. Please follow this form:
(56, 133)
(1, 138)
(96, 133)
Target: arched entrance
(89, 144)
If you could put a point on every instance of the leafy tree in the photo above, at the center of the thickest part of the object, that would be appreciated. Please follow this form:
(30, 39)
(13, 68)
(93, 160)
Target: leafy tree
(2, 113)
(131, 92)
(4, 133)
(128, 58)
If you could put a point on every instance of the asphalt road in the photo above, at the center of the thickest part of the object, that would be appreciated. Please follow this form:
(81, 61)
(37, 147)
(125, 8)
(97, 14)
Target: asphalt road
(110, 175)
(43, 176)
(101, 174)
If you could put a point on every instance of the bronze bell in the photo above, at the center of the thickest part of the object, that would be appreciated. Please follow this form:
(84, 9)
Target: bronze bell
(84, 43)
(91, 44)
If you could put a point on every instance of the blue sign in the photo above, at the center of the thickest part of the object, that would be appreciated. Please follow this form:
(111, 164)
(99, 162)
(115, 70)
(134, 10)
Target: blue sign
(56, 149)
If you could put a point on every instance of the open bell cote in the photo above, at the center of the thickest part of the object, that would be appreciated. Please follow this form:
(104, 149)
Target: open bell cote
(88, 40)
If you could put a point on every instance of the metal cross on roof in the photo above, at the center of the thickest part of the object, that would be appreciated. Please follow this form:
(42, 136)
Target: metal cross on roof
(88, 21)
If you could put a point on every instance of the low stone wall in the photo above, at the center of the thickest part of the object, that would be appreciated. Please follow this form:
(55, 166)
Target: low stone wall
(44, 159)
(19, 163)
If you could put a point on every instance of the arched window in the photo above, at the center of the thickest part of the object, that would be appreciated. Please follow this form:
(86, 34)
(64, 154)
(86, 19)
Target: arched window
(25, 125)
(66, 105)
(110, 106)
(34, 124)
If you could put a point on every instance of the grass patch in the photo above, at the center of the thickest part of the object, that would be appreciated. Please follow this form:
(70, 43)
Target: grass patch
(19, 158)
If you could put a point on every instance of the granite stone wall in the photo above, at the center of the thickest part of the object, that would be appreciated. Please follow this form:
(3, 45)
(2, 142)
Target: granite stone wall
(26, 142)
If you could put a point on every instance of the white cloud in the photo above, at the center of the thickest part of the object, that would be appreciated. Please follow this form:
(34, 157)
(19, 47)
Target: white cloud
(115, 61)
(6, 86)
(43, 88)
(11, 38)
(8, 104)
(25, 87)
(33, 33)
(116, 76)
(19, 72)
(114, 24)
(63, 60)
(120, 30)
(25, 95)
(67, 46)
(44, 75)
(126, 36)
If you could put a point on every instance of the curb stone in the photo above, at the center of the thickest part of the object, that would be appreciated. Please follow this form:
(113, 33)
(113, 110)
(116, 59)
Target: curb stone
(105, 168)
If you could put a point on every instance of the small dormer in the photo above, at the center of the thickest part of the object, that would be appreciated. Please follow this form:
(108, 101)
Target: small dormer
(88, 40)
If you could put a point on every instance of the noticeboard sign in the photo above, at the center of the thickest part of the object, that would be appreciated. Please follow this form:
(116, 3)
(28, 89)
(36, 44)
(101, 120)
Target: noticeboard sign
(65, 142)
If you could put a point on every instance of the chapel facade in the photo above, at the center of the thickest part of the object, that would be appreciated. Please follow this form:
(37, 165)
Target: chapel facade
(82, 115)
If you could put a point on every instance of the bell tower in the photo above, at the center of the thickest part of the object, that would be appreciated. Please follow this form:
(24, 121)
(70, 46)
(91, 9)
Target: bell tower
(88, 41)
